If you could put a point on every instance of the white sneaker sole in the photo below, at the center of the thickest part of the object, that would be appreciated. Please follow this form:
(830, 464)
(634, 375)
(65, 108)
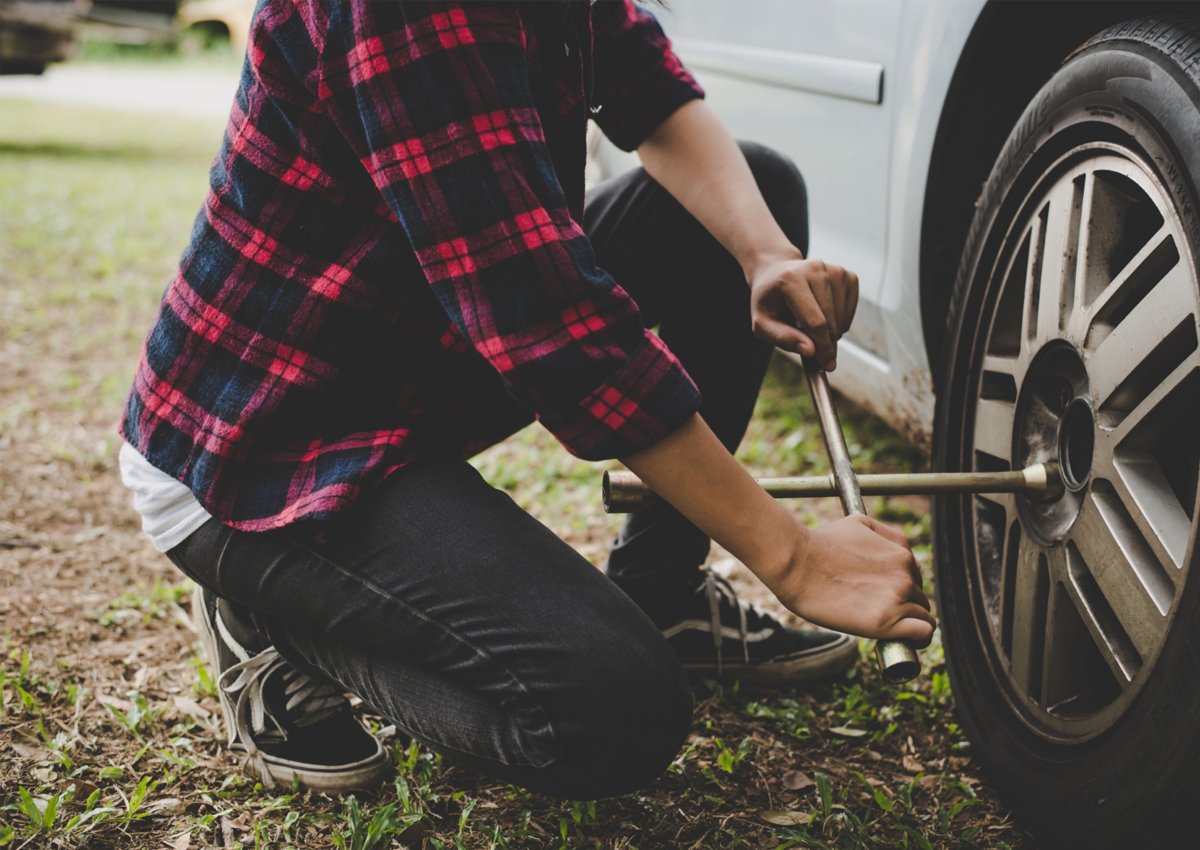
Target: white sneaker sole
(813, 665)
(364, 775)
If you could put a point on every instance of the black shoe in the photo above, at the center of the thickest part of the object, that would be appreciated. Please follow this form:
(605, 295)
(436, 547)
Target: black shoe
(292, 726)
(718, 636)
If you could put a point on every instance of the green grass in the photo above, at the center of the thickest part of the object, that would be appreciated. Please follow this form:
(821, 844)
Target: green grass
(95, 208)
(197, 51)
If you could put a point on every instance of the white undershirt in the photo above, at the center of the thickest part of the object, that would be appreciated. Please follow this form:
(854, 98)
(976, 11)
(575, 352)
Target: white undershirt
(169, 510)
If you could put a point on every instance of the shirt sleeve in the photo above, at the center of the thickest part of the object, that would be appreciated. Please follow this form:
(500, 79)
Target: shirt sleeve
(436, 101)
(638, 79)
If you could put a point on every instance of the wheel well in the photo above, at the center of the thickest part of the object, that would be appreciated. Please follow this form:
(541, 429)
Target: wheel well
(1012, 50)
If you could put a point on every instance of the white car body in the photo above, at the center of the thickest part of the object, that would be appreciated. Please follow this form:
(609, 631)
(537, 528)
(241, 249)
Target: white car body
(852, 91)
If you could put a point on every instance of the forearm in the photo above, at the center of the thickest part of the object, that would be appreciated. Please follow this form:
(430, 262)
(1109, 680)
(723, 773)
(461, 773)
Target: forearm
(854, 575)
(693, 157)
(700, 478)
(797, 304)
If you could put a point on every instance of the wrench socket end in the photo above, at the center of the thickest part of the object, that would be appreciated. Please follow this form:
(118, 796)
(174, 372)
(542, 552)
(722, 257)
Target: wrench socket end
(898, 661)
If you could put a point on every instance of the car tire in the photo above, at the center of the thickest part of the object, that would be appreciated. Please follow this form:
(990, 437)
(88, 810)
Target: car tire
(1072, 626)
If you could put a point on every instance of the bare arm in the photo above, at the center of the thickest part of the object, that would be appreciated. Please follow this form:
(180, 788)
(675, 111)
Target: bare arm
(854, 575)
(694, 158)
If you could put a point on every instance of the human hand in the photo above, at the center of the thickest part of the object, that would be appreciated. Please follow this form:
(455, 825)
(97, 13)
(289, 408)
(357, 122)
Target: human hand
(857, 575)
(802, 305)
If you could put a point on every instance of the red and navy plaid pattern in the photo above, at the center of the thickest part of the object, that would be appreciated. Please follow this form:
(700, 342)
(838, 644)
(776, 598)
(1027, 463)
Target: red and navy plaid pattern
(393, 223)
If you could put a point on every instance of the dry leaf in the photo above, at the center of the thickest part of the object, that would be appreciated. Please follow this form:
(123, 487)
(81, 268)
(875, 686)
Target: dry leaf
(794, 780)
(183, 842)
(116, 702)
(847, 731)
(911, 765)
(90, 534)
(872, 755)
(167, 806)
(190, 708)
(779, 817)
(28, 745)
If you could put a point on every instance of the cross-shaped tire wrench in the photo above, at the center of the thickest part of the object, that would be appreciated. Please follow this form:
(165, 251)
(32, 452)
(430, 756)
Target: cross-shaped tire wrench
(897, 658)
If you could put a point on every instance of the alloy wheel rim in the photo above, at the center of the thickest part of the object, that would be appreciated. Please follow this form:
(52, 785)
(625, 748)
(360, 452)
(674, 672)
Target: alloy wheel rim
(1090, 360)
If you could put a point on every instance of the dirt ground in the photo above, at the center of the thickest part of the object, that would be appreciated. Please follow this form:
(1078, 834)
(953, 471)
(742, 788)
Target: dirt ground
(109, 731)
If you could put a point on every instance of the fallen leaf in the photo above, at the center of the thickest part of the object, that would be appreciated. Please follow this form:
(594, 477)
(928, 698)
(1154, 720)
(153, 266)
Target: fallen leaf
(847, 731)
(83, 788)
(168, 806)
(90, 534)
(190, 708)
(794, 780)
(911, 765)
(27, 744)
(412, 836)
(116, 702)
(872, 755)
(790, 817)
(183, 842)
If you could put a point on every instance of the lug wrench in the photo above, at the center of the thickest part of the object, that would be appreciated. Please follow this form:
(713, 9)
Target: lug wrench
(897, 658)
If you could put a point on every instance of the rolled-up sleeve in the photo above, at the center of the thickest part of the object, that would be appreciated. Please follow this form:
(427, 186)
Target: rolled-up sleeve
(639, 81)
(435, 99)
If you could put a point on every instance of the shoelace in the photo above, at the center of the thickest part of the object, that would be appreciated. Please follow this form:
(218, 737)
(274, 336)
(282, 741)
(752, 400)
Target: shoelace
(715, 587)
(309, 701)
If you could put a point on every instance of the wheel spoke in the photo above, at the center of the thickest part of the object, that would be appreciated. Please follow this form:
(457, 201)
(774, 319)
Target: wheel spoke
(1171, 302)
(1107, 439)
(1118, 576)
(1030, 596)
(1058, 261)
(1071, 631)
(1158, 514)
(1004, 365)
(994, 427)
(1144, 262)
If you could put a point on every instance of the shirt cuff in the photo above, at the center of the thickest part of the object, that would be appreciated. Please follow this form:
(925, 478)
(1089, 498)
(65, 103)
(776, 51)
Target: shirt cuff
(648, 398)
(647, 105)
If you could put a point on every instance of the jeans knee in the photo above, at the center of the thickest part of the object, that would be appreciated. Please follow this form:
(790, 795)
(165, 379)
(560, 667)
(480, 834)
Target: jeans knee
(647, 731)
(782, 187)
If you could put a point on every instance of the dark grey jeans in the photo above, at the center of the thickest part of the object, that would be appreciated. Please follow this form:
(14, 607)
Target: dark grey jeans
(467, 622)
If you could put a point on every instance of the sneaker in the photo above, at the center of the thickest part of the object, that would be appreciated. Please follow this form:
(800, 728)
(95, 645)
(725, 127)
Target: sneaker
(292, 727)
(718, 636)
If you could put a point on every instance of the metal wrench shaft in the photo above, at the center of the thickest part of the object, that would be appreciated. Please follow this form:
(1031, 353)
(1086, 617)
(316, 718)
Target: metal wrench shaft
(897, 658)
(625, 493)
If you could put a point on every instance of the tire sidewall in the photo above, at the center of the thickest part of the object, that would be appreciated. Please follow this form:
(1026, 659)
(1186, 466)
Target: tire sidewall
(1127, 93)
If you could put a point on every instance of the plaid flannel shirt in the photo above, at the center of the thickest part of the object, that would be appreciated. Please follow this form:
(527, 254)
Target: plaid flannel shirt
(392, 231)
